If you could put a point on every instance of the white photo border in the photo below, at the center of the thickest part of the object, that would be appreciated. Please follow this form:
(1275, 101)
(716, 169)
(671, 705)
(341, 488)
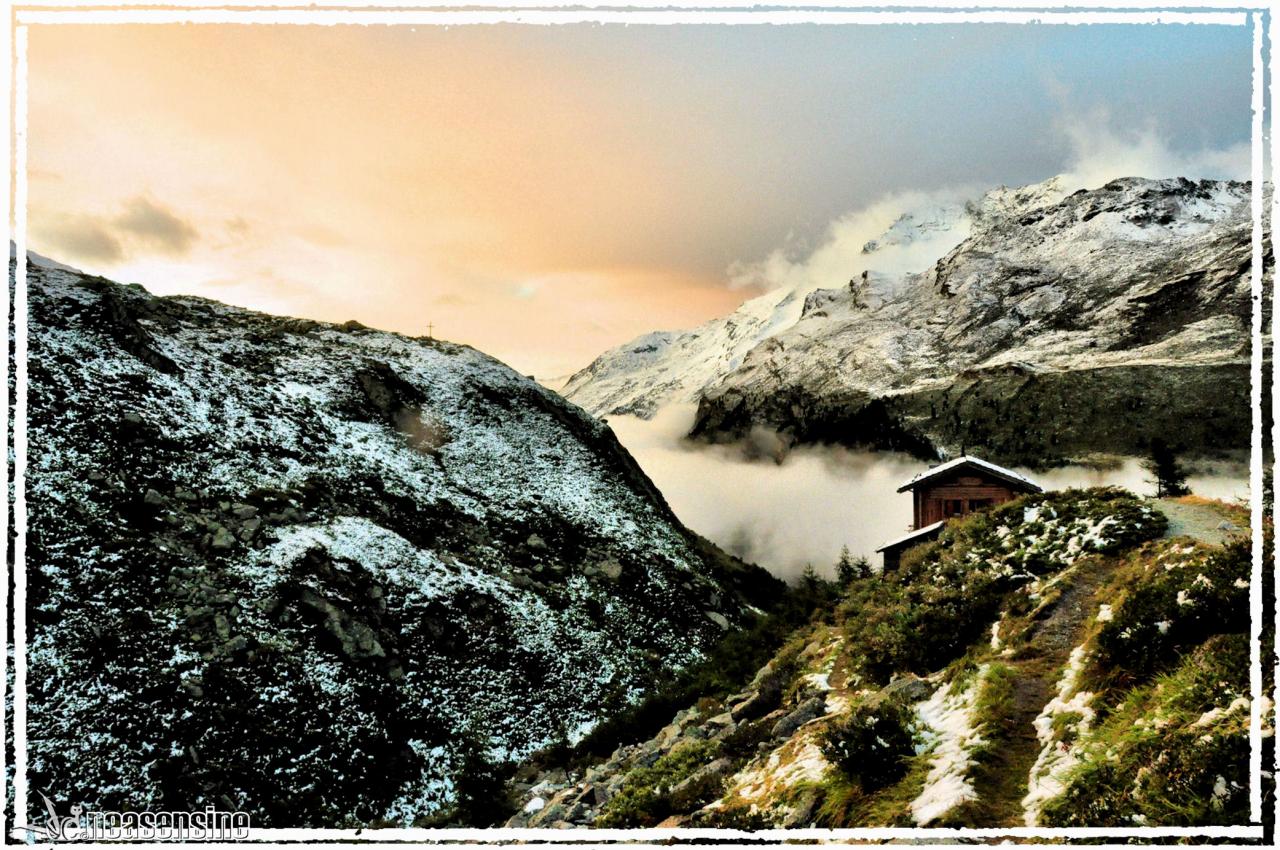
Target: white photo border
(19, 16)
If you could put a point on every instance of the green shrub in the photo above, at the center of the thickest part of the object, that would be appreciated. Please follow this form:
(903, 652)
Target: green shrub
(872, 745)
(1173, 752)
(645, 798)
(1185, 597)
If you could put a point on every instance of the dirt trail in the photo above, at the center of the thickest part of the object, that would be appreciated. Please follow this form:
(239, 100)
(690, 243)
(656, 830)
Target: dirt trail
(1036, 669)
(1059, 629)
(1205, 522)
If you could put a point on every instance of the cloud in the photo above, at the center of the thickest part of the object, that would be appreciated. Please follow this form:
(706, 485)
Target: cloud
(1102, 151)
(78, 237)
(155, 227)
(782, 515)
(237, 226)
(143, 227)
(939, 225)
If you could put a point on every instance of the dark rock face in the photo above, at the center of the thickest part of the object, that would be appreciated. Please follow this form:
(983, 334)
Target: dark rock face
(326, 575)
(1015, 415)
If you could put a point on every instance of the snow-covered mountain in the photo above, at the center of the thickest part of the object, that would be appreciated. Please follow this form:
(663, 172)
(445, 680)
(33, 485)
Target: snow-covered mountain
(676, 366)
(1060, 325)
(324, 574)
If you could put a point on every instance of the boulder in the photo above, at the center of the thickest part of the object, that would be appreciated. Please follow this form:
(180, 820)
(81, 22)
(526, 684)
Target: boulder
(759, 704)
(649, 754)
(721, 721)
(576, 813)
(222, 539)
(667, 735)
(547, 815)
(718, 618)
(909, 688)
(808, 710)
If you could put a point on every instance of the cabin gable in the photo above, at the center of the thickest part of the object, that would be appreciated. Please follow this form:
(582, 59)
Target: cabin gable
(957, 495)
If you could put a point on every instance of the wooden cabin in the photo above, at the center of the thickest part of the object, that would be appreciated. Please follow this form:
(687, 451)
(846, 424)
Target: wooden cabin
(953, 489)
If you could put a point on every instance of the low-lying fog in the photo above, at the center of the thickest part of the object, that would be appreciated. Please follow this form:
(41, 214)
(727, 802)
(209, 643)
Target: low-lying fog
(802, 511)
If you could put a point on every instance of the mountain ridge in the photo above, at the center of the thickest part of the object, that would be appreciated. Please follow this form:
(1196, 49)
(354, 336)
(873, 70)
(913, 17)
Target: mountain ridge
(1050, 285)
(377, 570)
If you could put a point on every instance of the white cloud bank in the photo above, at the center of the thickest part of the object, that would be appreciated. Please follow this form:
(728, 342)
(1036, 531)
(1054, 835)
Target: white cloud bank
(1102, 152)
(939, 227)
(818, 499)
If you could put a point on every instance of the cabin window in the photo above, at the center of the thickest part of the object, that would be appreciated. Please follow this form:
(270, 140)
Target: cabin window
(979, 504)
(952, 507)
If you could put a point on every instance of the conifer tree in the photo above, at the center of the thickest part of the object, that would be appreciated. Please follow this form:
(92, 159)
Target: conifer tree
(1170, 477)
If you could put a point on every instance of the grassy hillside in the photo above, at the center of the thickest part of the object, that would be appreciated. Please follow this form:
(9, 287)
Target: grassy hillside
(1059, 660)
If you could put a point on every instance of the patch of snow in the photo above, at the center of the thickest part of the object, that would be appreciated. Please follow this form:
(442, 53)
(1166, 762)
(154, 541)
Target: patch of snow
(1214, 715)
(1220, 792)
(821, 681)
(789, 765)
(1057, 758)
(949, 718)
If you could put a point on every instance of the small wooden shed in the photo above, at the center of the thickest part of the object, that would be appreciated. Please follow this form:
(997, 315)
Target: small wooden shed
(953, 489)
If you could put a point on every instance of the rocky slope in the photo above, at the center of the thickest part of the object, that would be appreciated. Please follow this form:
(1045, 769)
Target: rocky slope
(1061, 660)
(1134, 296)
(324, 574)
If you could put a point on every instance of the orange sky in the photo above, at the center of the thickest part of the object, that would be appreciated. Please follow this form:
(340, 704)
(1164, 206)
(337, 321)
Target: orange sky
(298, 170)
(544, 193)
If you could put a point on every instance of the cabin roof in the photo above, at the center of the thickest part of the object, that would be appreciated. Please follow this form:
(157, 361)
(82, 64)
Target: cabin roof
(1007, 475)
(927, 531)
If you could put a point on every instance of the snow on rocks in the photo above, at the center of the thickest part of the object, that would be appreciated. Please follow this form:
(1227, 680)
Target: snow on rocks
(398, 547)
